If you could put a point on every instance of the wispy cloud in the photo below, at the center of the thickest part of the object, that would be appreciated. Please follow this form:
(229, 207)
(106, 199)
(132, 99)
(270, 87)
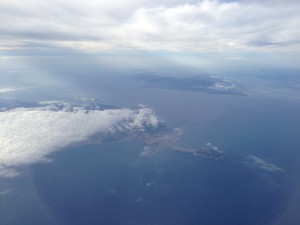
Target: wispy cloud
(11, 89)
(262, 164)
(5, 192)
(150, 25)
(28, 135)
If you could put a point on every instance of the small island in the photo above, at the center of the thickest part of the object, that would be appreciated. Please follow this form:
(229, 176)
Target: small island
(210, 151)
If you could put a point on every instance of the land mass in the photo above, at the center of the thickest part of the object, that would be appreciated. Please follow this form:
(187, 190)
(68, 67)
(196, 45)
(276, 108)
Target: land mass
(207, 84)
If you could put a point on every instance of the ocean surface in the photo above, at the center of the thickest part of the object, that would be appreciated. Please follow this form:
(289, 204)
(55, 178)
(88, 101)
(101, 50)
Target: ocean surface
(113, 183)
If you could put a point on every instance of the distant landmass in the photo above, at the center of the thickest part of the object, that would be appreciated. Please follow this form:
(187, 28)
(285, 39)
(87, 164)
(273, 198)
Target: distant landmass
(6, 104)
(207, 84)
(173, 140)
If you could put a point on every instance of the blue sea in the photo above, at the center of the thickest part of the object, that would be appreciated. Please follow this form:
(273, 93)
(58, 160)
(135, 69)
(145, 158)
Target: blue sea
(113, 184)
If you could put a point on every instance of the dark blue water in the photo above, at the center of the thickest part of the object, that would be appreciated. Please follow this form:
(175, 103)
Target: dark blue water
(112, 184)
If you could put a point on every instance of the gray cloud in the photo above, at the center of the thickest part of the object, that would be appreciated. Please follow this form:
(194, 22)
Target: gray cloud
(150, 25)
(28, 135)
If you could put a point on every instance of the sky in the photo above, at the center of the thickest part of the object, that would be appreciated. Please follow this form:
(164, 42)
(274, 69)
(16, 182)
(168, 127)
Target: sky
(192, 32)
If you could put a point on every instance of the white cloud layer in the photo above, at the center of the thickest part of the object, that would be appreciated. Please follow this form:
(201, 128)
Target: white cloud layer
(263, 164)
(150, 25)
(28, 135)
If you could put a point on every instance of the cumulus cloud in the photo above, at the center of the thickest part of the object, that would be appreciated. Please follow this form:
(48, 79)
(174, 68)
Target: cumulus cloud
(28, 135)
(150, 25)
(263, 164)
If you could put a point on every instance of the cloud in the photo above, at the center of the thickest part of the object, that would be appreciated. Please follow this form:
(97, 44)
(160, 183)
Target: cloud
(10, 89)
(4, 192)
(207, 25)
(28, 135)
(263, 164)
